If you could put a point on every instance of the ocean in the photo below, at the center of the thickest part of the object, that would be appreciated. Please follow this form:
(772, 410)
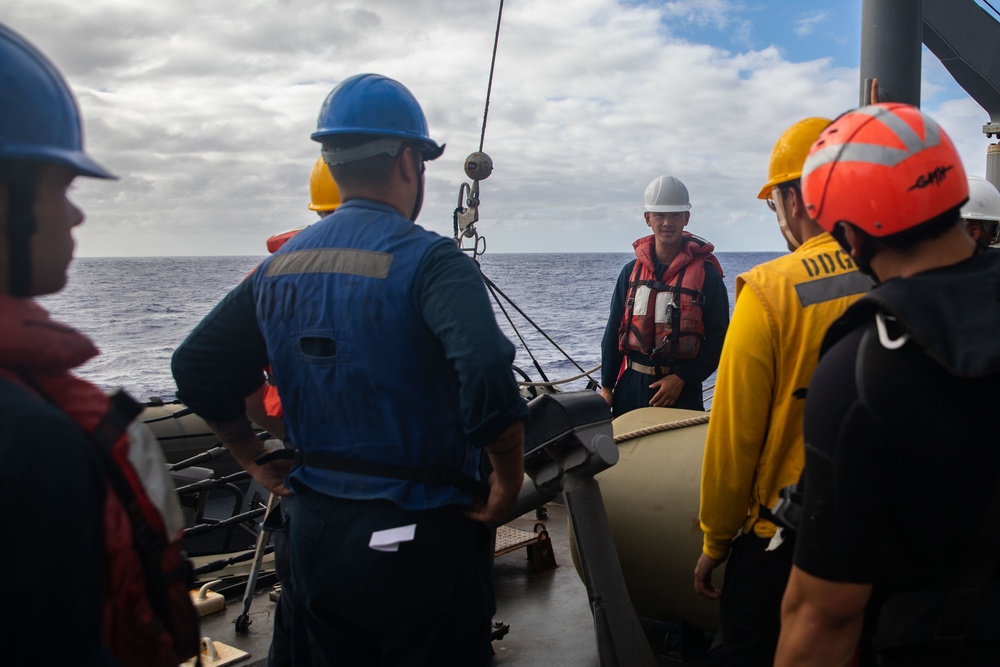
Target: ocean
(138, 309)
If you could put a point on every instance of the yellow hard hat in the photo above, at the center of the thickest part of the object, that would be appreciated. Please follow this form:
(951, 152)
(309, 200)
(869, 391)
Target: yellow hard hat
(323, 190)
(789, 153)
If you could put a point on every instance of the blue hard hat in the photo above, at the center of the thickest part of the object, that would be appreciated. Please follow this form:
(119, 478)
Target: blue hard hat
(39, 119)
(378, 106)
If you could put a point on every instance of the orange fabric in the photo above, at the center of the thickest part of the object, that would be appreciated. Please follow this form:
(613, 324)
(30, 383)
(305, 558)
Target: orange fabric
(43, 352)
(272, 402)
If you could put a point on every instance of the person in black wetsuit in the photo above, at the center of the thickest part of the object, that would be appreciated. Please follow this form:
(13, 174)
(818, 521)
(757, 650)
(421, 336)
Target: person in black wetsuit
(897, 547)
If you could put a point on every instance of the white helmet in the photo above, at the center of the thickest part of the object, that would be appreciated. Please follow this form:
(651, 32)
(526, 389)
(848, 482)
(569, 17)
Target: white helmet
(984, 200)
(666, 194)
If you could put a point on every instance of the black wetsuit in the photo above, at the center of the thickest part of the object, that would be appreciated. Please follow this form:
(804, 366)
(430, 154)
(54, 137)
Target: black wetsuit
(902, 459)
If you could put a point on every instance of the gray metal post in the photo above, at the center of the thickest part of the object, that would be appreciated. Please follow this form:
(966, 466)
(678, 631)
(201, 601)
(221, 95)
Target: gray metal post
(891, 33)
(621, 641)
(993, 154)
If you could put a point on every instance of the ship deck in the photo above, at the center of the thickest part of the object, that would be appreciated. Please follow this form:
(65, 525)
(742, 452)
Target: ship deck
(546, 608)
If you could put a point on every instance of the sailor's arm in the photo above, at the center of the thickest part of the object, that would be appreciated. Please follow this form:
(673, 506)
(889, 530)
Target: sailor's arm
(738, 427)
(454, 304)
(239, 438)
(611, 356)
(258, 414)
(821, 621)
(217, 365)
(506, 456)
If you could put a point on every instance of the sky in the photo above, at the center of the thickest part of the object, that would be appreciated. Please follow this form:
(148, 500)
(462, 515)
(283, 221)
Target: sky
(204, 110)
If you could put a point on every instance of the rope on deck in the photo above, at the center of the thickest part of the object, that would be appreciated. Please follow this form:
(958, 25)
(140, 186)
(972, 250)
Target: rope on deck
(667, 426)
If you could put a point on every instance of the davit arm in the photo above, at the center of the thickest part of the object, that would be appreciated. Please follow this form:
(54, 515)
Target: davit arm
(568, 440)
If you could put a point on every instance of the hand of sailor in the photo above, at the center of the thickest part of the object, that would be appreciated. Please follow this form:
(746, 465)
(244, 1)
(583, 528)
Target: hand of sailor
(703, 578)
(272, 476)
(506, 456)
(239, 438)
(608, 394)
(667, 390)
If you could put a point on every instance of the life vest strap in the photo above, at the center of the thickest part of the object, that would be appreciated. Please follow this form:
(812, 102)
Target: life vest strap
(658, 286)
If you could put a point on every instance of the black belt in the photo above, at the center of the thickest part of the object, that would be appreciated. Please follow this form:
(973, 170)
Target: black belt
(430, 476)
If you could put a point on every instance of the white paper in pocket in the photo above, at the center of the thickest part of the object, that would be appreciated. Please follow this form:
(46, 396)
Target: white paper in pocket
(388, 540)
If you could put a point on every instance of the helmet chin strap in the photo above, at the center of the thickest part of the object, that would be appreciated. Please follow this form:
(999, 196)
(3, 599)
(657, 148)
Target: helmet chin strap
(779, 209)
(865, 252)
(418, 204)
(20, 229)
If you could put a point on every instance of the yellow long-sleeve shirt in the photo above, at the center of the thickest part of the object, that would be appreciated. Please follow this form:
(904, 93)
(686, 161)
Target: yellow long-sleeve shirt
(754, 446)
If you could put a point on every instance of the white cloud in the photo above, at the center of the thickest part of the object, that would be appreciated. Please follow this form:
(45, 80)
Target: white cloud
(806, 24)
(205, 110)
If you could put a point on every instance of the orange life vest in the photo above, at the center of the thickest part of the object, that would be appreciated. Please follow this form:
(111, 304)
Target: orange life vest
(149, 619)
(663, 315)
(277, 240)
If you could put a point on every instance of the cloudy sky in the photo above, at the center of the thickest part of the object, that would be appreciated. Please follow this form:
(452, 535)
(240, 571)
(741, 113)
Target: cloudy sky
(204, 110)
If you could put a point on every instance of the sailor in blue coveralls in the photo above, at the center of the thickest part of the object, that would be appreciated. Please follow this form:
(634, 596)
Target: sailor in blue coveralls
(394, 378)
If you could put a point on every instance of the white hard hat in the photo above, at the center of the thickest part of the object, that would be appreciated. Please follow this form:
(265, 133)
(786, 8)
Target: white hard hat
(666, 194)
(984, 200)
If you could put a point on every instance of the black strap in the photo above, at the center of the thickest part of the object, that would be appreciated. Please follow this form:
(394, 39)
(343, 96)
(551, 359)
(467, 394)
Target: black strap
(430, 476)
(787, 511)
(21, 226)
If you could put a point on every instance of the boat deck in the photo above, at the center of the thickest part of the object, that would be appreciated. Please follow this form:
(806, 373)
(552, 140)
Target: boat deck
(546, 608)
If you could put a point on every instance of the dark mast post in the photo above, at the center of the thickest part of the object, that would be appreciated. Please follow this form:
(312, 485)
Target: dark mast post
(891, 32)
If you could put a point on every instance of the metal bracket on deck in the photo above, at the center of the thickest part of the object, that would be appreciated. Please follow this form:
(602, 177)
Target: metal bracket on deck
(537, 544)
(215, 654)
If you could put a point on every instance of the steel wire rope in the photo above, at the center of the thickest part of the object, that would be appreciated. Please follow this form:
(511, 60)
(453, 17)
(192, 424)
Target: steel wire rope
(493, 289)
(490, 284)
(489, 85)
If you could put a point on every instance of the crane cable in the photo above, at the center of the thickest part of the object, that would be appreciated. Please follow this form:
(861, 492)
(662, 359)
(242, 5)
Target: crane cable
(489, 85)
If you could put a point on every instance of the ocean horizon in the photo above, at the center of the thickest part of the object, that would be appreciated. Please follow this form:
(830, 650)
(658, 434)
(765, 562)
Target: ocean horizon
(138, 309)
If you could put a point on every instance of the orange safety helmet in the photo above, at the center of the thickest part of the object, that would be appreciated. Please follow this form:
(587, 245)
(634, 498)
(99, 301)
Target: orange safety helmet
(884, 168)
(323, 191)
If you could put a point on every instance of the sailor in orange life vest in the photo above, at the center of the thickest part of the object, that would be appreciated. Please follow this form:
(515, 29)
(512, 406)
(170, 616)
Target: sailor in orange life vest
(264, 409)
(99, 596)
(669, 312)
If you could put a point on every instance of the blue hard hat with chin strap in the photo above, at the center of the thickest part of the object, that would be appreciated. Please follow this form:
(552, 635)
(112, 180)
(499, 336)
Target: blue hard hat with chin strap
(374, 105)
(39, 124)
(40, 121)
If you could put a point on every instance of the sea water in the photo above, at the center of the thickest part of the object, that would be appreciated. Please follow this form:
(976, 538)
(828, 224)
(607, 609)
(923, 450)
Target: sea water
(553, 307)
